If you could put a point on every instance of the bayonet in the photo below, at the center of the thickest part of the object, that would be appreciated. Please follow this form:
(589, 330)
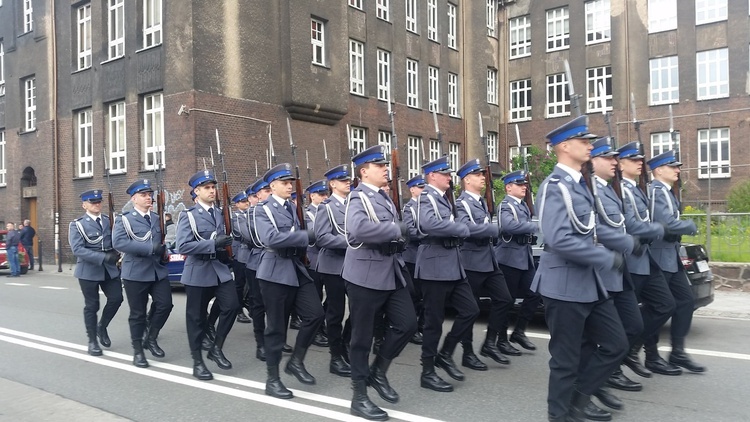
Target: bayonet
(571, 90)
(325, 155)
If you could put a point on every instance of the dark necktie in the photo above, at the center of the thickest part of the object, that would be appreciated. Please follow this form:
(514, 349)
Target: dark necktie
(99, 222)
(288, 208)
(484, 204)
(148, 219)
(211, 211)
(387, 199)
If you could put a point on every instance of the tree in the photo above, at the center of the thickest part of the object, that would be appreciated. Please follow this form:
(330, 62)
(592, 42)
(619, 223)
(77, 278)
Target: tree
(539, 164)
(739, 198)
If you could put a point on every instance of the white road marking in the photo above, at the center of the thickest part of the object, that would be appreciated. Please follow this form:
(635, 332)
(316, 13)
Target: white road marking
(53, 287)
(200, 384)
(17, 284)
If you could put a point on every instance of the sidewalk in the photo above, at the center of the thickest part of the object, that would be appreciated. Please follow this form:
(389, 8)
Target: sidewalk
(727, 304)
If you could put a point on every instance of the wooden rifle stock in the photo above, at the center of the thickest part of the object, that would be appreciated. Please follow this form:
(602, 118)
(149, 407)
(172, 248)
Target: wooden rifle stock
(226, 213)
(111, 200)
(299, 208)
(489, 192)
(528, 197)
(395, 185)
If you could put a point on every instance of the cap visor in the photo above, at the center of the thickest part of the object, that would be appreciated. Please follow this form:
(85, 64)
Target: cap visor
(674, 164)
(632, 157)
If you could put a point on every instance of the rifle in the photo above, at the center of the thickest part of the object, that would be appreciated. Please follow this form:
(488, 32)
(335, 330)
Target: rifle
(325, 155)
(213, 166)
(571, 90)
(307, 163)
(110, 197)
(528, 197)
(677, 185)
(396, 169)
(298, 182)
(617, 178)
(224, 194)
(350, 144)
(451, 198)
(272, 158)
(643, 177)
(160, 202)
(489, 192)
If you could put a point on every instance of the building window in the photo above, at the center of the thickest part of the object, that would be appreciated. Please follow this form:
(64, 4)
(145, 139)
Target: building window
(84, 36)
(558, 29)
(455, 159)
(384, 75)
(520, 37)
(151, 23)
(318, 41)
(433, 78)
(597, 21)
(713, 74)
(434, 150)
(29, 102)
(661, 142)
(662, 15)
(382, 7)
(515, 152)
(520, 100)
(490, 18)
(558, 98)
(356, 67)
(432, 25)
(84, 144)
(358, 136)
(411, 16)
(665, 80)
(412, 83)
(452, 22)
(713, 153)
(413, 161)
(707, 11)
(153, 130)
(492, 146)
(116, 138)
(2, 68)
(356, 4)
(453, 95)
(3, 169)
(116, 27)
(28, 16)
(596, 78)
(492, 86)
(384, 139)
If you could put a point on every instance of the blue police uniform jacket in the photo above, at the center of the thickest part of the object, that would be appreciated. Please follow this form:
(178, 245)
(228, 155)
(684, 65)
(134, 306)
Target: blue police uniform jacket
(278, 228)
(666, 210)
(364, 266)
(434, 261)
(138, 262)
(240, 243)
(198, 271)
(409, 216)
(329, 236)
(568, 265)
(638, 223)
(312, 250)
(476, 252)
(610, 230)
(247, 231)
(515, 220)
(90, 253)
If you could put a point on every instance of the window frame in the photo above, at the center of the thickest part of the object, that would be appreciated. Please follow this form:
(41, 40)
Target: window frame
(558, 86)
(664, 80)
(453, 95)
(358, 138)
(595, 75)
(152, 30)
(3, 168)
(115, 29)
(83, 37)
(454, 158)
(413, 160)
(514, 152)
(412, 14)
(708, 65)
(662, 142)
(433, 150)
(491, 86)
(412, 83)
(29, 101)
(666, 17)
(556, 40)
(28, 16)
(382, 10)
(117, 138)
(433, 88)
(490, 18)
(385, 139)
(384, 75)
(703, 10)
(318, 41)
(84, 143)
(492, 145)
(2, 68)
(452, 33)
(522, 111)
(432, 20)
(357, 4)
(356, 67)
(151, 144)
(720, 168)
(518, 27)
(597, 30)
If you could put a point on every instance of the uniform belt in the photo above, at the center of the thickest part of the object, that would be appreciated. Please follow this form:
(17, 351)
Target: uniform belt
(446, 242)
(479, 242)
(391, 248)
(205, 256)
(671, 238)
(287, 252)
(521, 239)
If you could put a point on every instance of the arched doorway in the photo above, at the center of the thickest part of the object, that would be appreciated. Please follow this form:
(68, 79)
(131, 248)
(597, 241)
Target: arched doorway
(29, 207)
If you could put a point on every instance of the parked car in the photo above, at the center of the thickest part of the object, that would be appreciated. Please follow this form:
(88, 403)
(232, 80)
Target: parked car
(695, 260)
(23, 257)
(175, 265)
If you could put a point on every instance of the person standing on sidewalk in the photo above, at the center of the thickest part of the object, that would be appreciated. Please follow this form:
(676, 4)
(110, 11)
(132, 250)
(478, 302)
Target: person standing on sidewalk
(12, 239)
(27, 240)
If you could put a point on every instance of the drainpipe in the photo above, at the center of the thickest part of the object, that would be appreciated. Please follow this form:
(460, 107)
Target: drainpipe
(55, 139)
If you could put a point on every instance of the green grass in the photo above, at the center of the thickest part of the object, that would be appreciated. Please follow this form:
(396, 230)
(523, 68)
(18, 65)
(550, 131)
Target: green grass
(724, 248)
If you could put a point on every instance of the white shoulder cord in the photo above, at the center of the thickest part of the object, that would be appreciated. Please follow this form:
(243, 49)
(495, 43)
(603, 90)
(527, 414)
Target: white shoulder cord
(255, 225)
(129, 230)
(250, 230)
(89, 240)
(194, 228)
(332, 219)
(237, 216)
(605, 217)
(577, 224)
(499, 223)
(631, 199)
(669, 201)
(468, 211)
(346, 232)
(312, 217)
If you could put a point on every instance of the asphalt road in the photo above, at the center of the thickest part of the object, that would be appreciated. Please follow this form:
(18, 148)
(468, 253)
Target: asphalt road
(46, 374)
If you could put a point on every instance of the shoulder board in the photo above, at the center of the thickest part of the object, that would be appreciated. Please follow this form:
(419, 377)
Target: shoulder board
(263, 202)
(79, 218)
(105, 216)
(554, 179)
(325, 201)
(190, 209)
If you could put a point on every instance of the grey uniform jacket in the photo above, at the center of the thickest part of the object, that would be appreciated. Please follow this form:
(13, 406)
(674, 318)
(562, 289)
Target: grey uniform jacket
(568, 264)
(90, 263)
(515, 220)
(434, 261)
(329, 236)
(312, 251)
(638, 223)
(612, 234)
(139, 263)
(666, 210)
(254, 247)
(364, 266)
(277, 234)
(410, 211)
(476, 252)
(241, 241)
(199, 272)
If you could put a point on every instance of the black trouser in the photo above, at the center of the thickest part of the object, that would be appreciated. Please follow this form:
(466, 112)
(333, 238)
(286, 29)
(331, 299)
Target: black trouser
(161, 307)
(240, 281)
(364, 305)
(257, 310)
(335, 309)
(279, 300)
(112, 289)
(416, 295)
(30, 253)
(658, 303)
(519, 285)
(501, 300)
(196, 307)
(679, 287)
(438, 294)
(569, 323)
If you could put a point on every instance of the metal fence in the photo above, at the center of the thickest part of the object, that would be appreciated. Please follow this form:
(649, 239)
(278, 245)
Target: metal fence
(726, 236)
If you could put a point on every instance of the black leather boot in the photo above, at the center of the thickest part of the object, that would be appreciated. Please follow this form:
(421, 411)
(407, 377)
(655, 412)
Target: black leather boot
(680, 358)
(657, 365)
(519, 335)
(320, 339)
(139, 358)
(430, 379)
(199, 368)
(362, 406)
(152, 345)
(444, 360)
(489, 348)
(338, 365)
(379, 382)
(578, 403)
(417, 338)
(504, 345)
(296, 367)
(260, 353)
(208, 339)
(633, 362)
(594, 413)
(470, 360)
(216, 354)
(94, 349)
(608, 399)
(619, 381)
(101, 332)
(287, 348)
(242, 318)
(274, 386)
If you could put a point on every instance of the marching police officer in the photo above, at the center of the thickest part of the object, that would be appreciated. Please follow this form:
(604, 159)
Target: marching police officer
(665, 209)
(138, 236)
(513, 253)
(257, 192)
(416, 186)
(575, 299)
(481, 268)
(241, 249)
(648, 280)
(201, 236)
(318, 192)
(375, 282)
(284, 281)
(90, 239)
(442, 275)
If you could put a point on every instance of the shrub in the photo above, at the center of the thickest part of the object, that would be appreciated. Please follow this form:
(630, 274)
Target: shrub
(739, 198)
